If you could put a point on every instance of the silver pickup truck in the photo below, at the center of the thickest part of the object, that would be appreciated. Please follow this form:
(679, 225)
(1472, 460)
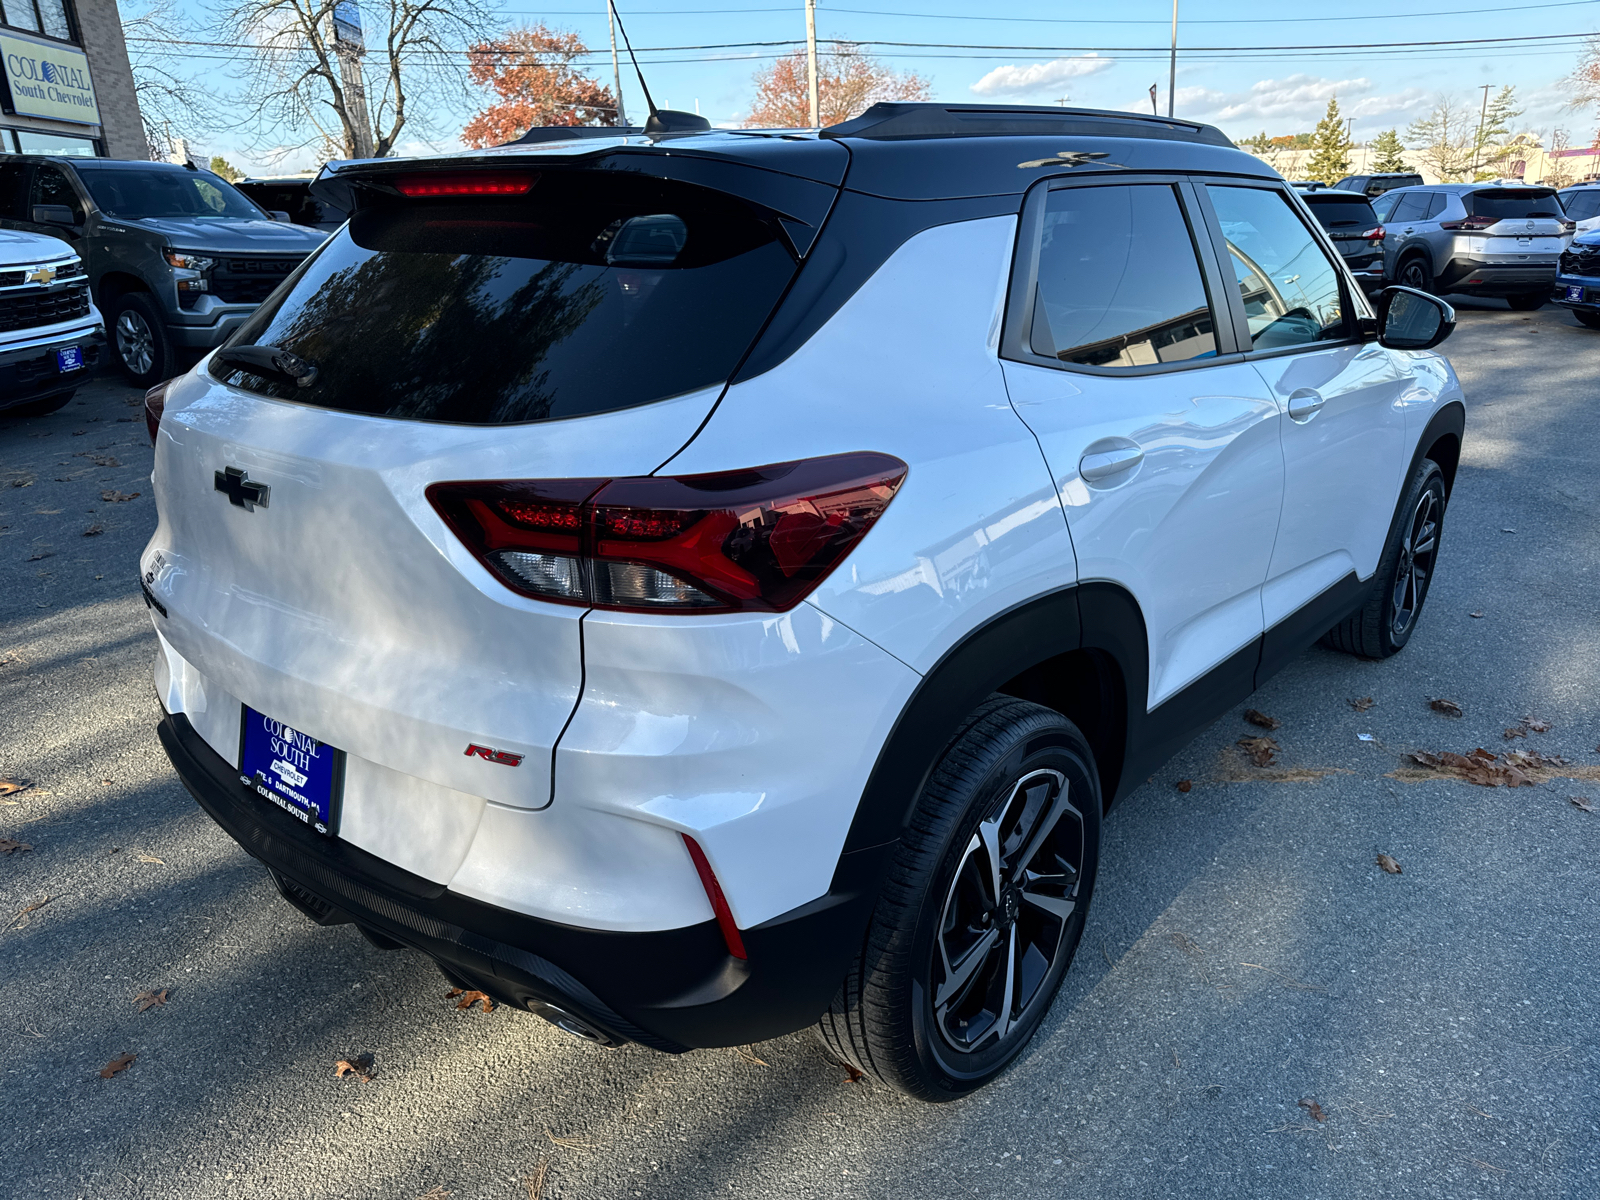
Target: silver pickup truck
(51, 334)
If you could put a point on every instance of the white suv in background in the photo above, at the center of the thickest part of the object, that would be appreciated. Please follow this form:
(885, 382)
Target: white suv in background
(700, 586)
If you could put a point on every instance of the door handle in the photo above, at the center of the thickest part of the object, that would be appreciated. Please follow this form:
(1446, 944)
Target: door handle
(1305, 404)
(1103, 464)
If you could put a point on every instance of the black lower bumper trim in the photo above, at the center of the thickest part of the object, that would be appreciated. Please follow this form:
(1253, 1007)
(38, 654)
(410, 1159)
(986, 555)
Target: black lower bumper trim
(671, 990)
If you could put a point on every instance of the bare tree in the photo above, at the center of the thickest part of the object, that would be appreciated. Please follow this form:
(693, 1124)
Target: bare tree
(290, 63)
(171, 105)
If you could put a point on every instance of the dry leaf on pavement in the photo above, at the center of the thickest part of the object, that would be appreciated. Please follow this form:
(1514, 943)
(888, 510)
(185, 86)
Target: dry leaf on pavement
(1259, 749)
(468, 999)
(359, 1065)
(437, 1192)
(150, 999)
(9, 784)
(40, 554)
(1315, 1109)
(1257, 717)
(853, 1074)
(1536, 725)
(112, 496)
(120, 1063)
(1448, 707)
(1479, 767)
(1477, 612)
(534, 1184)
(94, 530)
(7, 846)
(1582, 802)
(1185, 784)
(1362, 704)
(1389, 865)
(151, 858)
(1515, 731)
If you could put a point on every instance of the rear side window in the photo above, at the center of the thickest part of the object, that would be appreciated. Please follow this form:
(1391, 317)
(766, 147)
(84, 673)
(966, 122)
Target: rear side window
(1343, 214)
(1289, 285)
(1503, 203)
(592, 292)
(1119, 280)
(1580, 206)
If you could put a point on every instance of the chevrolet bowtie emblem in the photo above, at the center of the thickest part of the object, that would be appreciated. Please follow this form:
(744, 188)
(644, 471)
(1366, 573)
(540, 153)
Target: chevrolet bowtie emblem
(1071, 158)
(241, 490)
(41, 275)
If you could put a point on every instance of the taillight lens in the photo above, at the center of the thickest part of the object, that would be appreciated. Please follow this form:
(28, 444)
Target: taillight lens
(1469, 223)
(756, 540)
(155, 403)
(1568, 226)
(470, 183)
(1376, 234)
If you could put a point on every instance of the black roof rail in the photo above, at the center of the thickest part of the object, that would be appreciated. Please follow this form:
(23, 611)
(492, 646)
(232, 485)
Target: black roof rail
(892, 121)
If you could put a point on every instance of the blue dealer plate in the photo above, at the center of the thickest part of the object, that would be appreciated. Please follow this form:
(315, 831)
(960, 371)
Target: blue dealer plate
(1575, 293)
(299, 774)
(69, 358)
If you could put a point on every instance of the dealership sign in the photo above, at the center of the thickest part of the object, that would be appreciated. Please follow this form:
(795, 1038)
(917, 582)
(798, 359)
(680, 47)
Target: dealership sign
(48, 79)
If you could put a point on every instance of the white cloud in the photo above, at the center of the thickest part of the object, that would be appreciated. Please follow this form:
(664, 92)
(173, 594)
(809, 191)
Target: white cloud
(1296, 102)
(1039, 77)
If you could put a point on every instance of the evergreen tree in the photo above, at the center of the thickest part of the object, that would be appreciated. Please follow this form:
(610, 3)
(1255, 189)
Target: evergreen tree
(221, 166)
(1388, 153)
(1331, 145)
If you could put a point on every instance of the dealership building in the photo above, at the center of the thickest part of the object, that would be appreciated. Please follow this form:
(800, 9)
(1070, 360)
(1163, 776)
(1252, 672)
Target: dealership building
(65, 83)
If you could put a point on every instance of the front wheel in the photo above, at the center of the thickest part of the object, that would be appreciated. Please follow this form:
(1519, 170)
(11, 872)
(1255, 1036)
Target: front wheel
(139, 340)
(983, 908)
(1384, 624)
(1527, 302)
(1414, 273)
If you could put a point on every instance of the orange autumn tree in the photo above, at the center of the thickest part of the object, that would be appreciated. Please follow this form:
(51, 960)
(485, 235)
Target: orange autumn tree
(848, 83)
(531, 71)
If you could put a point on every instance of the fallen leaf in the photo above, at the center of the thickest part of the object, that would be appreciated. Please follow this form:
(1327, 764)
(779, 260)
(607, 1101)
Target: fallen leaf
(1256, 717)
(570, 1143)
(1366, 737)
(1259, 749)
(1361, 705)
(1515, 731)
(853, 1074)
(1389, 865)
(359, 1065)
(1479, 767)
(115, 497)
(1536, 725)
(1185, 784)
(1315, 1109)
(42, 553)
(94, 530)
(79, 432)
(750, 1057)
(438, 1192)
(1576, 802)
(25, 481)
(468, 999)
(1448, 707)
(150, 999)
(120, 1063)
(150, 858)
(1476, 613)
(7, 846)
(35, 906)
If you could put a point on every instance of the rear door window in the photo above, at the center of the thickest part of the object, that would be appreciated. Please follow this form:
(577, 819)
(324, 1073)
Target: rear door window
(1120, 283)
(1289, 285)
(594, 291)
(1409, 206)
(1513, 203)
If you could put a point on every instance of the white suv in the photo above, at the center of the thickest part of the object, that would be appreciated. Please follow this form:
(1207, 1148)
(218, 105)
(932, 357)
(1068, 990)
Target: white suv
(697, 587)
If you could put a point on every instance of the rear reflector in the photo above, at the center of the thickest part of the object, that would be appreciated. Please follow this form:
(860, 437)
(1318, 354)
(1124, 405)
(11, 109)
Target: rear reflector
(719, 902)
(757, 540)
(471, 183)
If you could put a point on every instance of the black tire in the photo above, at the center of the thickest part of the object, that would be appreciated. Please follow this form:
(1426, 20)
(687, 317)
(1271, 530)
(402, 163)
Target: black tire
(1591, 319)
(41, 407)
(897, 1015)
(1527, 302)
(139, 340)
(1385, 622)
(1414, 272)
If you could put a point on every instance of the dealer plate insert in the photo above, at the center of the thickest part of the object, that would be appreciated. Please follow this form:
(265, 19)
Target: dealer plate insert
(293, 770)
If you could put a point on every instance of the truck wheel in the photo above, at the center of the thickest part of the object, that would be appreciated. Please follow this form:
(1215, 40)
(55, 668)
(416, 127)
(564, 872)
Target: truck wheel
(1384, 624)
(139, 340)
(1527, 302)
(42, 406)
(982, 910)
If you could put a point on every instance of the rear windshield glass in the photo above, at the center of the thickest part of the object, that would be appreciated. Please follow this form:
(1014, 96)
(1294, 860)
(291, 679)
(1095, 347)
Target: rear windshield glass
(1342, 213)
(590, 293)
(135, 194)
(1502, 203)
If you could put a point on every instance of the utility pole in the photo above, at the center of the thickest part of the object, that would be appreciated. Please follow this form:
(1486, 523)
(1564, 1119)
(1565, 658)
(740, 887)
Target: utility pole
(349, 45)
(1477, 146)
(1172, 72)
(616, 75)
(811, 61)
(1063, 101)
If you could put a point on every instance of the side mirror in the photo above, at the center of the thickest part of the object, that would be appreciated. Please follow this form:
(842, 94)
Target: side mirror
(277, 214)
(54, 214)
(1413, 320)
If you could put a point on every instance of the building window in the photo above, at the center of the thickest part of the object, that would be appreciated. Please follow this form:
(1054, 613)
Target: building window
(48, 17)
(30, 141)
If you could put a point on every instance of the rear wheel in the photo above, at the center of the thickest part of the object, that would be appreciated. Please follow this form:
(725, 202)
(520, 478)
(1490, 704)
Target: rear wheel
(1384, 624)
(1415, 273)
(41, 407)
(983, 908)
(1591, 319)
(1527, 302)
(139, 340)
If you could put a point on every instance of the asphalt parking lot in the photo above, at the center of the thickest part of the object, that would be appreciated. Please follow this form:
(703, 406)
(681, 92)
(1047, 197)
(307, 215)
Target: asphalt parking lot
(1258, 1009)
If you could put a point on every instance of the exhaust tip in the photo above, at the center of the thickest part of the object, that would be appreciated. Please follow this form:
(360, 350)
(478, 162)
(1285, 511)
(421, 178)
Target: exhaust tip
(569, 1023)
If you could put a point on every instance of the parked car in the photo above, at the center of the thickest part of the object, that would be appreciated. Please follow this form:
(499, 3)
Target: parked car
(692, 599)
(1378, 184)
(1577, 286)
(291, 196)
(51, 335)
(177, 257)
(1355, 230)
(1582, 206)
(1477, 239)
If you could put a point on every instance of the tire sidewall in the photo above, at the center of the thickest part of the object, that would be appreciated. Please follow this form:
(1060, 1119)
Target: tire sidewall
(1421, 263)
(1057, 745)
(161, 350)
(1427, 475)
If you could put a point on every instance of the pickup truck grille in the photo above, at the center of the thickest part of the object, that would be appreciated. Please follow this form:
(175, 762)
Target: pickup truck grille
(72, 269)
(1581, 260)
(249, 280)
(32, 309)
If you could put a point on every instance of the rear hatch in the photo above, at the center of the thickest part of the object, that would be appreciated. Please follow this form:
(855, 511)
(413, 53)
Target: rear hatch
(1511, 224)
(1353, 226)
(465, 325)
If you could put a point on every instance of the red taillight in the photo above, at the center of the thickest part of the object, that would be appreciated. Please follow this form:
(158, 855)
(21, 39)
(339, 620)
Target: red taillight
(471, 183)
(757, 540)
(155, 402)
(719, 902)
(1568, 226)
(1469, 223)
(1376, 235)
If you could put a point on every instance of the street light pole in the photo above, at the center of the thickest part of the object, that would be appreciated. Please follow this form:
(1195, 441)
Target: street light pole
(811, 61)
(1172, 71)
(1483, 112)
(616, 74)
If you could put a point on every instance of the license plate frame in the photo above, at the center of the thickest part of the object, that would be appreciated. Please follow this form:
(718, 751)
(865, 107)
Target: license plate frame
(1574, 294)
(292, 770)
(69, 359)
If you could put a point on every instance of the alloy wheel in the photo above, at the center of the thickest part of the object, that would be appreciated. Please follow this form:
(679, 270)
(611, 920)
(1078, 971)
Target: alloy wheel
(1006, 916)
(1415, 566)
(1413, 276)
(136, 345)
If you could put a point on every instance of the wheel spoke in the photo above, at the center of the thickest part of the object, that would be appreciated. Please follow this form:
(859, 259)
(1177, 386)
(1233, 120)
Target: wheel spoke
(1004, 1024)
(1059, 907)
(1046, 824)
(989, 834)
(958, 975)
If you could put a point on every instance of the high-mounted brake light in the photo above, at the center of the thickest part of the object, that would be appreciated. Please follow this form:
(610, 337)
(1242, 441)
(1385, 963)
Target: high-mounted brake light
(757, 540)
(472, 183)
(719, 902)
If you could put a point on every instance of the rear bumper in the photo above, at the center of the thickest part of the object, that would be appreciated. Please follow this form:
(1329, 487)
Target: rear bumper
(672, 990)
(1496, 279)
(1591, 292)
(29, 372)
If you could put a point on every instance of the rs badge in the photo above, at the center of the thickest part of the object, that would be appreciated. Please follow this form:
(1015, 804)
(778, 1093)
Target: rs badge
(504, 757)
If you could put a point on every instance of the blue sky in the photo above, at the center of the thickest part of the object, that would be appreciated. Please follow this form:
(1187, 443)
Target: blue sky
(1116, 52)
